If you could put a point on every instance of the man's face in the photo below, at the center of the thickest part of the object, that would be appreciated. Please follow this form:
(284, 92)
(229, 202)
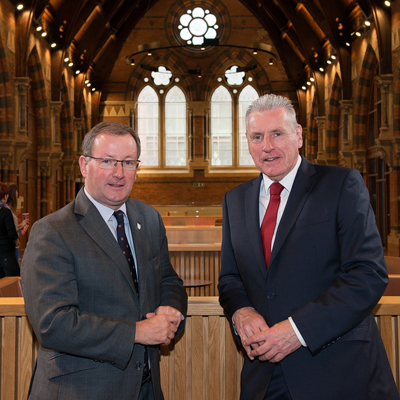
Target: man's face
(110, 187)
(273, 144)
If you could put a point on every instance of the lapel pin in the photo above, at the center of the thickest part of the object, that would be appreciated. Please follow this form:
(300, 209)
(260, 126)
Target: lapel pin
(139, 226)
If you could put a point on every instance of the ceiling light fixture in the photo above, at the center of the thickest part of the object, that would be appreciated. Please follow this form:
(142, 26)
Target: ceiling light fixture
(321, 69)
(39, 28)
(77, 72)
(304, 88)
(44, 34)
(53, 45)
(358, 34)
(271, 61)
(20, 7)
(387, 3)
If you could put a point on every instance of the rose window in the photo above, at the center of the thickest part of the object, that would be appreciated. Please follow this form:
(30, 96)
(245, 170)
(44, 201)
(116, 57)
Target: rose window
(197, 25)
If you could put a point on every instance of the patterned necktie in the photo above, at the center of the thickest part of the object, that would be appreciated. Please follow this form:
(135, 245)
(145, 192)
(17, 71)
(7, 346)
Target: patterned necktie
(269, 221)
(124, 244)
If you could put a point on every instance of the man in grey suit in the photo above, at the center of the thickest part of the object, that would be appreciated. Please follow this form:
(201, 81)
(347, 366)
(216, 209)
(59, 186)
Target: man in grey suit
(302, 300)
(100, 334)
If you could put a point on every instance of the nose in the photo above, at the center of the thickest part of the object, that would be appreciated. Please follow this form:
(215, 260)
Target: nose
(118, 170)
(267, 144)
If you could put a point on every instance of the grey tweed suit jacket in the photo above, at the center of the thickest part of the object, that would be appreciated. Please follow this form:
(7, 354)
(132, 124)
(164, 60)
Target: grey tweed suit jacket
(83, 306)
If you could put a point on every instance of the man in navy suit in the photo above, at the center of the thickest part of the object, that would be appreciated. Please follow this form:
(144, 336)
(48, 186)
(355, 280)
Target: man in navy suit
(304, 317)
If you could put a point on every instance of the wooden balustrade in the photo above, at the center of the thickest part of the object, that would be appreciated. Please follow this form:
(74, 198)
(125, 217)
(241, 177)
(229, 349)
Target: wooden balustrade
(204, 363)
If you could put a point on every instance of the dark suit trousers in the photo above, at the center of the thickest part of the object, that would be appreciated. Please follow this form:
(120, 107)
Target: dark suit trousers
(277, 389)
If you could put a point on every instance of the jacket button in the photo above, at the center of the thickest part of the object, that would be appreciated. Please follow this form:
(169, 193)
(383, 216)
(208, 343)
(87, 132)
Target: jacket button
(138, 365)
(270, 295)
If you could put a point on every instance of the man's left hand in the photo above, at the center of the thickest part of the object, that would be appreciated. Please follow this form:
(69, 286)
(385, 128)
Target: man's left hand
(279, 341)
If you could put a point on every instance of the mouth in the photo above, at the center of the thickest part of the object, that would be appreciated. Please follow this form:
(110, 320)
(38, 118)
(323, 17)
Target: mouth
(270, 159)
(115, 185)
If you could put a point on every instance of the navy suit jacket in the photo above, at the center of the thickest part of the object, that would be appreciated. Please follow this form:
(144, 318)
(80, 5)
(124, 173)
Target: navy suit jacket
(326, 271)
(82, 303)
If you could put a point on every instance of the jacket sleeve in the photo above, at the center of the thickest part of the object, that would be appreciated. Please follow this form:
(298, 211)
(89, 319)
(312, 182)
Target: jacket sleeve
(362, 277)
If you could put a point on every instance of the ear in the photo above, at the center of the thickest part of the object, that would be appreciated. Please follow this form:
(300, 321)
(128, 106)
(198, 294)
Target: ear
(83, 166)
(299, 134)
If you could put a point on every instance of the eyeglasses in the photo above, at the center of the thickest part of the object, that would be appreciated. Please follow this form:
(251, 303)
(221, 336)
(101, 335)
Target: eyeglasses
(109, 163)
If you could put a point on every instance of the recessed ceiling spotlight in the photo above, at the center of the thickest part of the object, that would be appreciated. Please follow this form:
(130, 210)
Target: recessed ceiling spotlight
(66, 59)
(70, 64)
(304, 88)
(53, 45)
(358, 34)
(367, 23)
(387, 3)
(333, 57)
(329, 62)
(321, 69)
(77, 72)
(39, 28)
(20, 7)
(312, 79)
(44, 34)
(347, 44)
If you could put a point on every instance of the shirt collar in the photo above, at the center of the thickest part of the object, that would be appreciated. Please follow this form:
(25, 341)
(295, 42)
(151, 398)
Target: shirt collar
(105, 212)
(287, 181)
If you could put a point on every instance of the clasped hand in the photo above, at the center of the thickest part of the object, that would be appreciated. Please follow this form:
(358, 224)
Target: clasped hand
(259, 340)
(159, 327)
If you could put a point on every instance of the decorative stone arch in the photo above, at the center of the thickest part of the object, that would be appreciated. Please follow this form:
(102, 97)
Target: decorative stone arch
(332, 121)
(167, 58)
(312, 141)
(240, 57)
(6, 95)
(67, 121)
(362, 96)
(41, 101)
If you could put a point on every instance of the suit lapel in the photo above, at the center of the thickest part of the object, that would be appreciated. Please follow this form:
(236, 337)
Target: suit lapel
(97, 229)
(136, 222)
(252, 210)
(302, 186)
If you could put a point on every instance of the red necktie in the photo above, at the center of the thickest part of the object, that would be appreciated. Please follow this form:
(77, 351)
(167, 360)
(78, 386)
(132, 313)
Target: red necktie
(269, 221)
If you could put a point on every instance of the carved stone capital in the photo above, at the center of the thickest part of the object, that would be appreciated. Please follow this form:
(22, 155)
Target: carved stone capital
(346, 106)
(22, 84)
(384, 82)
(55, 108)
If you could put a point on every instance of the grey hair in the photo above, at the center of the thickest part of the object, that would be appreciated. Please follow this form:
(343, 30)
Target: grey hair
(110, 128)
(271, 102)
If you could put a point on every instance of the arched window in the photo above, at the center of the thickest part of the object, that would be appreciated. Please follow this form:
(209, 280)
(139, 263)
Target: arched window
(221, 127)
(147, 126)
(246, 97)
(175, 128)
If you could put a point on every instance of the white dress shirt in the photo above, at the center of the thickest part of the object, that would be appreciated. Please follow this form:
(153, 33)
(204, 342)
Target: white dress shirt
(287, 183)
(108, 216)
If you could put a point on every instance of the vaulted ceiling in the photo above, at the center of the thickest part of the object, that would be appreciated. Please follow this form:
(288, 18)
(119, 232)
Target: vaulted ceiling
(305, 33)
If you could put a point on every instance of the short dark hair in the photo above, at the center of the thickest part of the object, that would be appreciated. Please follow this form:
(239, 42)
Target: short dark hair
(110, 128)
(272, 102)
(3, 190)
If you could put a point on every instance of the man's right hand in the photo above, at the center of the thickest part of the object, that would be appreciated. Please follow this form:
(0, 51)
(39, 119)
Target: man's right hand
(248, 322)
(156, 329)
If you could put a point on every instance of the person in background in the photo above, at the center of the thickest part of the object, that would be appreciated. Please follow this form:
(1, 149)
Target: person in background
(12, 203)
(99, 288)
(8, 237)
(302, 269)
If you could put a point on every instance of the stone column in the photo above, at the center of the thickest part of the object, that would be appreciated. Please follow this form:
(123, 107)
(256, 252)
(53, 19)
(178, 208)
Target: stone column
(345, 152)
(55, 111)
(321, 125)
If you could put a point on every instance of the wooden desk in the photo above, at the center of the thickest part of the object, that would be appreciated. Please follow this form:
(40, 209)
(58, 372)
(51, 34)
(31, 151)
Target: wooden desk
(195, 283)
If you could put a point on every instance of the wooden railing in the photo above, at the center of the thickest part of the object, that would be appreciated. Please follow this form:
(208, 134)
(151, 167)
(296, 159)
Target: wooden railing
(204, 363)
